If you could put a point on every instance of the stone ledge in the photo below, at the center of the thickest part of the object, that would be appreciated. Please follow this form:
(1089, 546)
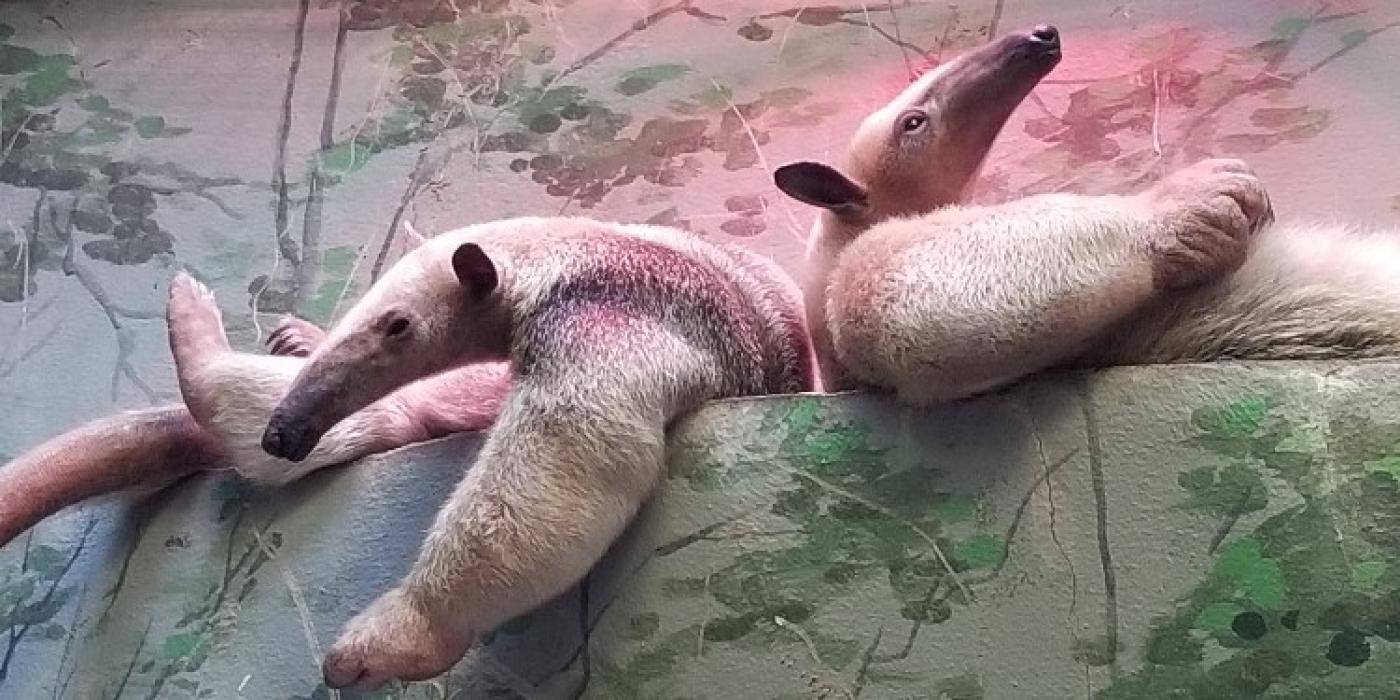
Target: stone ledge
(1138, 530)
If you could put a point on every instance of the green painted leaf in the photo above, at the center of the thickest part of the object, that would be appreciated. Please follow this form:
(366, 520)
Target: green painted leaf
(96, 134)
(1257, 578)
(1280, 118)
(638, 81)
(955, 508)
(1355, 38)
(340, 260)
(1234, 420)
(179, 646)
(537, 54)
(49, 81)
(1367, 575)
(13, 593)
(533, 103)
(390, 693)
(786, 97)
(47, 561)
(95, 103)
(400, 56)
(1217, 617)
(831, 446)
(149, 127)
(803, 415)
(320, 307)
(443, 33)
(980, 551)
(1291, 27)
(17, 59)
(683, 587)
(1389, 464)
(345, 158)
(967, 686)
(710, 99)
(1232, 490)
(1173, 645)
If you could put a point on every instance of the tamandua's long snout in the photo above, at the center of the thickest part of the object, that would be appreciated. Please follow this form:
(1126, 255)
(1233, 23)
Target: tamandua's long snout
(289, 439)
(996, 77)
(1039, 45)
(1048, 37)
(345, 376)
(319, 398)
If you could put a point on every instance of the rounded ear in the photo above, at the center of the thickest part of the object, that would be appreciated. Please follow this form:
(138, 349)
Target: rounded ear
(820, 185)
(412, 238)
(475, 271)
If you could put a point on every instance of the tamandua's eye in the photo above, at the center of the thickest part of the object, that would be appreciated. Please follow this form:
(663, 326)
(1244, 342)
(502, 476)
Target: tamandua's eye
(396, 328)
(913, 122)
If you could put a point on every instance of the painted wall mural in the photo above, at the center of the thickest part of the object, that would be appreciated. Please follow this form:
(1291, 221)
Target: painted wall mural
(1159, 532)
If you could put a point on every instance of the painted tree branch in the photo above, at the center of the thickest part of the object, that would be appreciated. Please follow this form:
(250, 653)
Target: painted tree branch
(135, 656)
(312, 218)
(1110, 576)
(637, 27)
(420, 175)
(18, 632)
(113, 311)
(1268, 77)
(285, 244)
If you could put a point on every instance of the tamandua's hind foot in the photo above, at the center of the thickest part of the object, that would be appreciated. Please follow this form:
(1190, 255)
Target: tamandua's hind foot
(294, 337)
(192, 315)
(395, 638)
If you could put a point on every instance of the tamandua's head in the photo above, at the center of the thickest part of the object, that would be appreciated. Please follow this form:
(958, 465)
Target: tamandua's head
(439, 307)
(923, 149)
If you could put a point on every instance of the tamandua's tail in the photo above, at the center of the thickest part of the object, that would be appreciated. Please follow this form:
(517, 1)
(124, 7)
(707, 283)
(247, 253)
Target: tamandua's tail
(147, 449)
(1306, 292)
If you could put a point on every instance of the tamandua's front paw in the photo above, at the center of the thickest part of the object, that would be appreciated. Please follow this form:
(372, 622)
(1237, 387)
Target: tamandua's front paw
(294, 337)
(1205, 215)
(396, 638)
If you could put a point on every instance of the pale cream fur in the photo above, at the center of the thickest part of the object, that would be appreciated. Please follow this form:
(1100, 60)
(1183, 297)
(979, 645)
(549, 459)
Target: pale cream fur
(580, 441)
(1305, 291)
(900, 172)
(938, 301)
(956, 302)
(232, 394)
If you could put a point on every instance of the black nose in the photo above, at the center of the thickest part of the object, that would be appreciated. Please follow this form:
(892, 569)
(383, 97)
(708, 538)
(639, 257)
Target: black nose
(287, 441)
(1046, 34)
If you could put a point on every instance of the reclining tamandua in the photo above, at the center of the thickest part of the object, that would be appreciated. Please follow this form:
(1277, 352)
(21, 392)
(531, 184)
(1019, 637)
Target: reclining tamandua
(939, 301)
(612, 331)
(231, 395)
(228, 398)
(921, 151)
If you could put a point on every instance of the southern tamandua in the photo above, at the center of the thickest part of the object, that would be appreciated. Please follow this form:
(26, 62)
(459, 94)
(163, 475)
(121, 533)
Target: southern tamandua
(611, 331)
(227, 398)
(938, 301)
(920, 151)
